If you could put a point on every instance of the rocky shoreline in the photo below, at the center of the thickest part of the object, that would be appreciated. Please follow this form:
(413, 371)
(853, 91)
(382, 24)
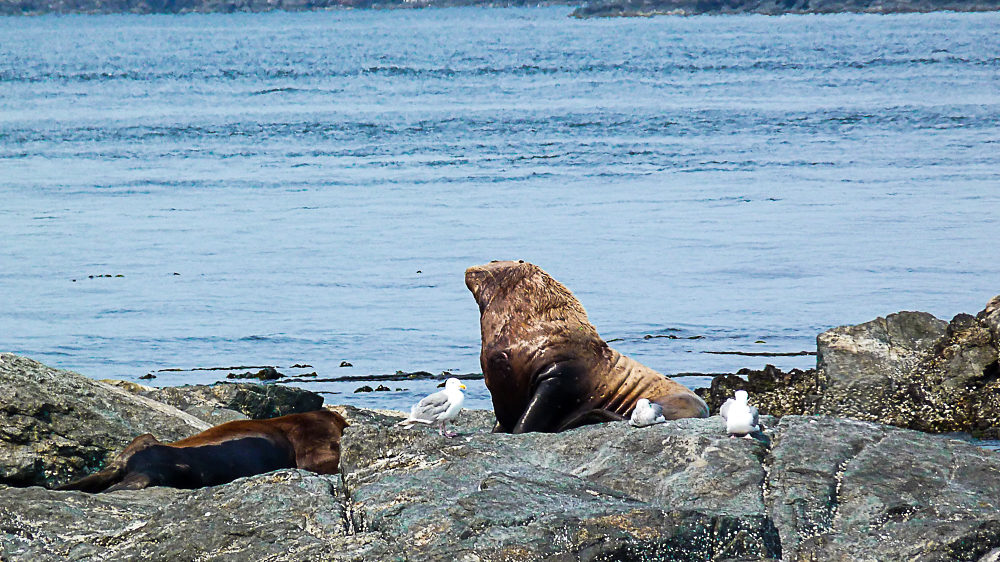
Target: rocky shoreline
(908, 369)
(646, 8)
(818, 486)
(812, 487)
(38, 7)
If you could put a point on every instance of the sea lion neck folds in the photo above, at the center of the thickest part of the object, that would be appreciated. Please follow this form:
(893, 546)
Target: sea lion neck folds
(545, 365)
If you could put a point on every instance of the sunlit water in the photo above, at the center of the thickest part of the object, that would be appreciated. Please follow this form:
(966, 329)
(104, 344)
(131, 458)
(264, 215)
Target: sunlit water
(279, 189)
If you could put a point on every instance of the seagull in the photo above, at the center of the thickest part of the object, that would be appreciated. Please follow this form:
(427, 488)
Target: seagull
(646, 413)
(741, 418)
(439, 407)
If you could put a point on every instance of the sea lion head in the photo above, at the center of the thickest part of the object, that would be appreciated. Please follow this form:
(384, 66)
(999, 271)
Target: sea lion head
(495, 278)
(518, 302)
(523, 286)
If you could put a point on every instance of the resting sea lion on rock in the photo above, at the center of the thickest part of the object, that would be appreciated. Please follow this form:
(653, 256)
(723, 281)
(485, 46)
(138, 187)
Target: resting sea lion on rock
(546, 367)
(310, 441)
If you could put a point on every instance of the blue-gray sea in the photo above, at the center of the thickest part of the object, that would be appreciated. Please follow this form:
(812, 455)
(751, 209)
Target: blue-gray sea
(195, 191)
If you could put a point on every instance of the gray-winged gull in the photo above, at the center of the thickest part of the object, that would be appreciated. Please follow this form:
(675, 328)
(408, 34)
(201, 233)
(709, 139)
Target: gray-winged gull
(646, 413)
(439, 407)
(741, 418)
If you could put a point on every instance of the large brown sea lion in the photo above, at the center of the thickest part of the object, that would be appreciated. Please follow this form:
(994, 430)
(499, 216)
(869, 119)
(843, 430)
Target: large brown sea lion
(546, 367)
(223, 453)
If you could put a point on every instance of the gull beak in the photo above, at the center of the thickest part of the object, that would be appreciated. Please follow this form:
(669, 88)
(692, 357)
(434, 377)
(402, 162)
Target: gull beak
(462, 387)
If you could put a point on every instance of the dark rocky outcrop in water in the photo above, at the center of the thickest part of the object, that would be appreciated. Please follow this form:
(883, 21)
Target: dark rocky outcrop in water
(612, 8)
(57, 425)
(817, 488)
(772, 390)
(265, 374)
(908, 369)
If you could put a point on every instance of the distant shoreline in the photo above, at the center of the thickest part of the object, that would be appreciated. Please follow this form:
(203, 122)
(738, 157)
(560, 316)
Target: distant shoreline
(647, 8)
(599, 8)
(150, 7)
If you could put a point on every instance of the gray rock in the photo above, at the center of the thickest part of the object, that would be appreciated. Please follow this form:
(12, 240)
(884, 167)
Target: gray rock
(847, 490)
(681, 491)
(912, 370)
(862, 364)
(222, 402)
(908, 369)
(813, 488)
(58, 425)
(193, 402)
(283, 515)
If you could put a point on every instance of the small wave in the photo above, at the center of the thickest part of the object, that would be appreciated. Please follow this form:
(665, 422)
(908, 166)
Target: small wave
(275, 91)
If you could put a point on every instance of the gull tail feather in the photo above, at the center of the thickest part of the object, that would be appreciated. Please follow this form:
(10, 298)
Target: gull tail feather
(410, 422)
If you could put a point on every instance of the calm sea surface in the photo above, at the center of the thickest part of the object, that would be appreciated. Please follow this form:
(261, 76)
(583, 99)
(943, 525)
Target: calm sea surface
(280, 189)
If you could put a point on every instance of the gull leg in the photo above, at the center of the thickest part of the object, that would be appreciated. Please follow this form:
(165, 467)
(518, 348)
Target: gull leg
(445, 432)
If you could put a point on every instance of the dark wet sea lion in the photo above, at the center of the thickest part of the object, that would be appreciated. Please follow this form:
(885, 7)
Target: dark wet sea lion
(546, 367)
(310, 441)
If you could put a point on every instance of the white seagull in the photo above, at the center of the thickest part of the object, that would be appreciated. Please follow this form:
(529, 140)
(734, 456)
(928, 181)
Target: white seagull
(646, 413)
(741, 418)
(439, 407)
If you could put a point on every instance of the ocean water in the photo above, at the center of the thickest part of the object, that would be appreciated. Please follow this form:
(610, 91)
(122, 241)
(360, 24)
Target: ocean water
(197, 191)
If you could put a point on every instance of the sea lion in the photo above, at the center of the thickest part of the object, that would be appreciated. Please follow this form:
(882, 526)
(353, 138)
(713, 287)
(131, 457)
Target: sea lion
(546, 367)
(220, 454)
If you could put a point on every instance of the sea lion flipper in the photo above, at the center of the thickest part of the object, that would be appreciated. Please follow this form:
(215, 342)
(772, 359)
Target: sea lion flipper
(554, 398)
(95, 482)
(114, 471)
(134, 481)
(597, 415)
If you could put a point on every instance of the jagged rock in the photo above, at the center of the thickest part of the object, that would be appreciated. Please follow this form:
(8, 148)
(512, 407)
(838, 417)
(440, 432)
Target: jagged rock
(847, 490)
(283, 515)
(222, 402)
(606, 492)
(912, 370)
(862, 365)
(57, 425)
(772, 390)
(817, 488)
(908, 369)
(680, 491)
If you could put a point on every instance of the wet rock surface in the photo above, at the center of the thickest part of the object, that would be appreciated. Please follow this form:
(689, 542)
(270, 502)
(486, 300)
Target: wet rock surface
(908, 369)
(58, 425)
